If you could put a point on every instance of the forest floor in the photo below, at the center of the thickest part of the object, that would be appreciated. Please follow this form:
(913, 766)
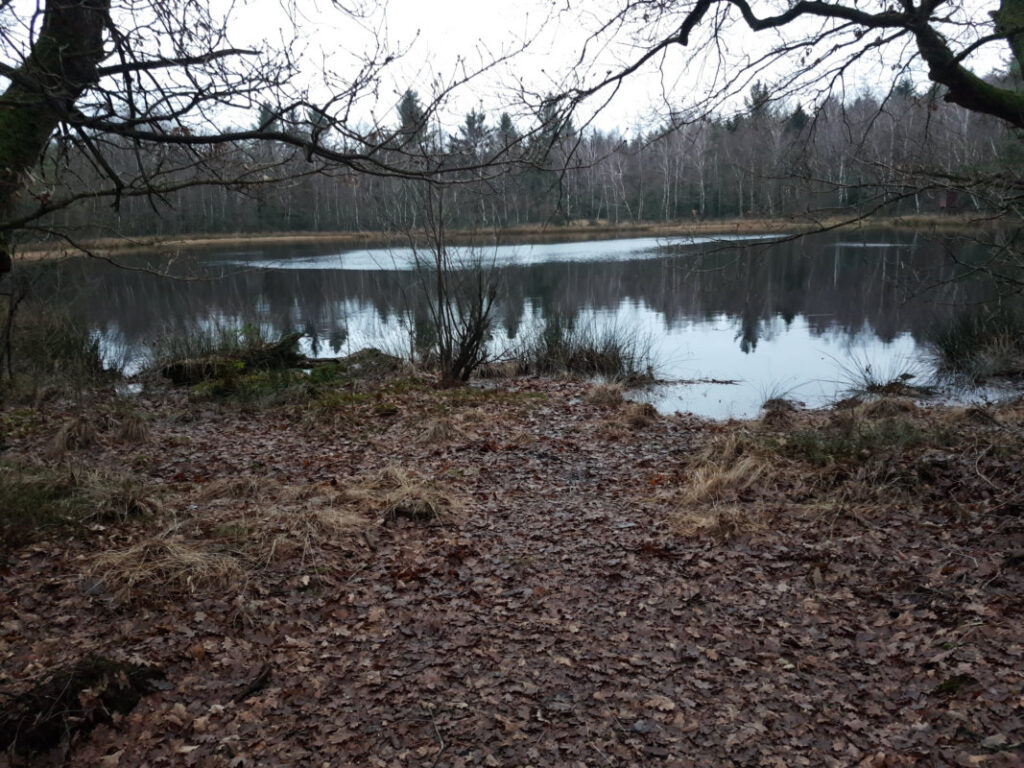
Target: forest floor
(528, 573)
(572, 231)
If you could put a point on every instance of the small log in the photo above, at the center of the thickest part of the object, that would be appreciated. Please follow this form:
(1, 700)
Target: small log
(274, 356)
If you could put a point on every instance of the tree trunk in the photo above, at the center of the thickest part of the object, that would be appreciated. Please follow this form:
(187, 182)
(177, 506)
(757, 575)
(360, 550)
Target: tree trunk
(43, 91)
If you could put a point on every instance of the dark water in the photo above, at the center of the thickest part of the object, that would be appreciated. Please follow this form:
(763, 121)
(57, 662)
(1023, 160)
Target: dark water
(800, 318)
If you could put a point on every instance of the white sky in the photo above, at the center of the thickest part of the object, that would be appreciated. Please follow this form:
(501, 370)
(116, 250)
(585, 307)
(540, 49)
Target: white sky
(444, 39)
(438, 32)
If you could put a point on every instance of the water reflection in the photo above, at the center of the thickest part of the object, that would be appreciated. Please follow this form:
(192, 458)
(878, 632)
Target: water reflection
(776, 317)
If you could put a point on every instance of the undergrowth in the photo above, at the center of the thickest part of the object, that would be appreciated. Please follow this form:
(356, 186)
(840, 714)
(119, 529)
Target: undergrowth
(874, 456)
(36, 499)
(46, 351)
(981, 343)
(324, 387)
(565, 347)
(237, 528)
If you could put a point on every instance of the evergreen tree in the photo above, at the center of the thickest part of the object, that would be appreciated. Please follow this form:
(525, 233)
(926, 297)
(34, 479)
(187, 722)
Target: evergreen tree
(798, 120)
(412, 117)
(507, 133)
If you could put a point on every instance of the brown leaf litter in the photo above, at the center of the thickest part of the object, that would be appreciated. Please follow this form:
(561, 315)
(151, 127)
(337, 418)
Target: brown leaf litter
(534, 588)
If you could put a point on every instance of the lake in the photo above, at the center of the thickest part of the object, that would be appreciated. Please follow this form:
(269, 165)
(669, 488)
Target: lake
(731, 321)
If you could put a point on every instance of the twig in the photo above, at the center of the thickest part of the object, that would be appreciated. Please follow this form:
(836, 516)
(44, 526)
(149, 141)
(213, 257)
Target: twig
(440, 738)
(258, 684)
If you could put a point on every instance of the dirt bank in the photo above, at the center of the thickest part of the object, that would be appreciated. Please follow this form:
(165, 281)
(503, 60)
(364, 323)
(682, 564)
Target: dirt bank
(535, 233)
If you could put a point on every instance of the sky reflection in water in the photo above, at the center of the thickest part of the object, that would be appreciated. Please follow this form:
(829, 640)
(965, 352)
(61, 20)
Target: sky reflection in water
(799, 318)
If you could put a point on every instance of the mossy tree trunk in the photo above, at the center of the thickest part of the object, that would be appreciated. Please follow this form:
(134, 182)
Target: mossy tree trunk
(61, 65)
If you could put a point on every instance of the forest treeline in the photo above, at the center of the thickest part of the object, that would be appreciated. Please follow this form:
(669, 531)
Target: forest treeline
(905, 152)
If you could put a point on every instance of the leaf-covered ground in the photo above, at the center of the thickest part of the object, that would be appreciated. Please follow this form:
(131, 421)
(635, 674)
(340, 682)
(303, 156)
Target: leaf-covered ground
(536, 592)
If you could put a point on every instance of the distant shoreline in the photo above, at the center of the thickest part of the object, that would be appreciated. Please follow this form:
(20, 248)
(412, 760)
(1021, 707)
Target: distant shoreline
(576, 231)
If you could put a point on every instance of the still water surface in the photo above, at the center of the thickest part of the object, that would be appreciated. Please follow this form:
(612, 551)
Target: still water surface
(798, 318)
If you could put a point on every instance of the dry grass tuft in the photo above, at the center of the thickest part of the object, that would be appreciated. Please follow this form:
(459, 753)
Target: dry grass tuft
(500, 370)
(778, 405)
(726, 448)
(121, 497)
(887, 407)
(438, 432)
(614, 429)
(978, 415)
(394, 492)
(606, 395)
(282, 530)
(848, 403)
(79, 432)
(723, 522)
(777, 419)
(710, 482)
(166, 565)
(710, 503)
(133, 428)
(237, 488)
(640, 415)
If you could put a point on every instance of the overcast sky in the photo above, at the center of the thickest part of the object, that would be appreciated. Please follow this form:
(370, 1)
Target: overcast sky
(442, 40)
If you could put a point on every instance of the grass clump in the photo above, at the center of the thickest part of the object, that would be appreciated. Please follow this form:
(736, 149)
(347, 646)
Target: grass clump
(718, 476)
(605, 395)
(272, 387)
(857, 458)
(981, 343)
(132, 428)
(261, 520)
(396, 493)
(46, 350)
(900, 377)
(365, 365)
(721, 522)
(235, 529)
(718, 497)
(439, 431)
(75, 433)
(35, 499)
(563, 347)
(172, 564)
(222, 354)
(640, 415)
(249, 370)
(207, 341)
(121, 425)
(854, 439)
